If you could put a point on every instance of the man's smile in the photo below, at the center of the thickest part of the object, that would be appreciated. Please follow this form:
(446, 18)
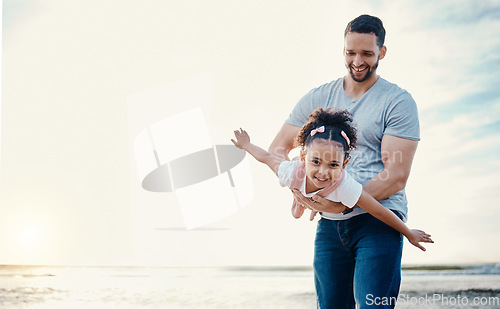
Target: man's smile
(359, 70)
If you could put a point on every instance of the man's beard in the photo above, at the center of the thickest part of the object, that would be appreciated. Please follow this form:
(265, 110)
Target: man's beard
(368, 74)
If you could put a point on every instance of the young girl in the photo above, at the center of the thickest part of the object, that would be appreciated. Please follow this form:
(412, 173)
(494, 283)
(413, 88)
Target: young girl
(326, 141)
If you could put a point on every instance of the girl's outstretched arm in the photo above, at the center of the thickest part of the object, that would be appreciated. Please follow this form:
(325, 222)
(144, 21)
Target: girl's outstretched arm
(415, 237)
(243, 142)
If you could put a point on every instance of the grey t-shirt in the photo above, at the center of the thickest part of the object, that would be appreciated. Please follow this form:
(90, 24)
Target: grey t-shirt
(384, 109)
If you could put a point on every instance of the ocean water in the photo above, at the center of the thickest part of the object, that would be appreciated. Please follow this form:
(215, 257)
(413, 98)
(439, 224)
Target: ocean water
(258, 287)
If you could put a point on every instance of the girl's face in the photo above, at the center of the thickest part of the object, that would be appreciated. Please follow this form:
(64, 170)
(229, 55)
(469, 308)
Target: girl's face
(324, 161)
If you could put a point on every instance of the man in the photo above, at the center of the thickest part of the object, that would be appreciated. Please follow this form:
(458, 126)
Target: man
(357, 259)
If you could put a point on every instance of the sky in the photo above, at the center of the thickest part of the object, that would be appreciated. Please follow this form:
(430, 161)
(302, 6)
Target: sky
(69, 189)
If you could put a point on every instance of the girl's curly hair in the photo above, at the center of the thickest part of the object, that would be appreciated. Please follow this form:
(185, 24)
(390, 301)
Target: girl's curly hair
(335, 121)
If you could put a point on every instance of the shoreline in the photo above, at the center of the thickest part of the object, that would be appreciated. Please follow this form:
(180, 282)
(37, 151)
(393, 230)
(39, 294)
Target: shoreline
(409, 267)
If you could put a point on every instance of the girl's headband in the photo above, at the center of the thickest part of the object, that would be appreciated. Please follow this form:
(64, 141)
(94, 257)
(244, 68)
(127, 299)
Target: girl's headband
(346, 138)
(322, 130)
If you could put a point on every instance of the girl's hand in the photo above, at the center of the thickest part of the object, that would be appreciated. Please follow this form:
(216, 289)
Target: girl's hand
(417, 236)
(242, 138)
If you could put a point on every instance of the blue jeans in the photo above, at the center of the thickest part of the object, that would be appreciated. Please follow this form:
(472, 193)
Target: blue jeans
(357, 262)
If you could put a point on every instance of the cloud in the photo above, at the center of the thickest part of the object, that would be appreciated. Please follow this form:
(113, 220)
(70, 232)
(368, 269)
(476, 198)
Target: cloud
(16, 11)
(442, 51)
(70, 64)
(447, 54)
(454, 183)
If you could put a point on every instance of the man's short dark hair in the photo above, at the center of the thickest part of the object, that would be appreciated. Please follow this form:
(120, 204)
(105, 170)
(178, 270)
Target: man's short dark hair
(367, 24)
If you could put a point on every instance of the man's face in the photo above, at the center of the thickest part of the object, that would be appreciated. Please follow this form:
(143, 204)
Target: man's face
(362, 55)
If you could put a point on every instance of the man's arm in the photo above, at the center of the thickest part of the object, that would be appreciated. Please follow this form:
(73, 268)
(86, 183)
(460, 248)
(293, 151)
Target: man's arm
(397, 156)
(283, 142)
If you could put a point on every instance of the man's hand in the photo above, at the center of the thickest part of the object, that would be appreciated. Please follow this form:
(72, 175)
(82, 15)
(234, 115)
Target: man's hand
(318, 203)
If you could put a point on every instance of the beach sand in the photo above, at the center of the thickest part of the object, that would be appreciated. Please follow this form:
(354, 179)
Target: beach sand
(245, 287)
